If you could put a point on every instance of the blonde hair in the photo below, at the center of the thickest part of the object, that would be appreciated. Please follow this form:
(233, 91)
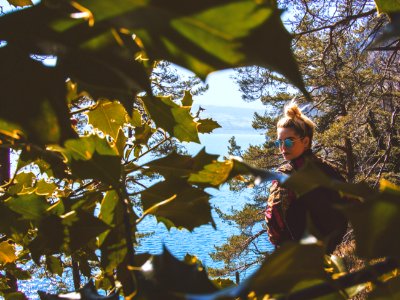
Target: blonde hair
(296, 120)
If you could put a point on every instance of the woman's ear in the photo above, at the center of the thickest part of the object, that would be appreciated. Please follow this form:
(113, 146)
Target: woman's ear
(306, 142)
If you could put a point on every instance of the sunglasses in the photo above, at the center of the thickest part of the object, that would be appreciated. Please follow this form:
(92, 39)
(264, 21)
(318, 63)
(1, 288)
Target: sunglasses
(288, 142)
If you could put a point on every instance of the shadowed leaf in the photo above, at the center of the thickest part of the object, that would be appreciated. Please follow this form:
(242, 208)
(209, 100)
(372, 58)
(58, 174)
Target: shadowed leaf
(207, 125)
(186, 279)
(189, 209)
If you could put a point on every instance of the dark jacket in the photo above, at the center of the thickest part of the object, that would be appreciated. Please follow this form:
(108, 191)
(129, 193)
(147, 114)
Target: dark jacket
(287, 216)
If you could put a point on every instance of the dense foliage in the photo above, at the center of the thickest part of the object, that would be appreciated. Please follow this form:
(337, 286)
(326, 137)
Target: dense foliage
(86, 129)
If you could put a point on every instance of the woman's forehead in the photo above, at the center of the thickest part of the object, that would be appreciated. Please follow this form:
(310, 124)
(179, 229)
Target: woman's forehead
(286, 132)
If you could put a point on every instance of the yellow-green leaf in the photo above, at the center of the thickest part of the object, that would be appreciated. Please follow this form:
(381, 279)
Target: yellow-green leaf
(388, 6)
(214, 174)
(108, 117)
(20, 3)
(173, 118)
(7, 253)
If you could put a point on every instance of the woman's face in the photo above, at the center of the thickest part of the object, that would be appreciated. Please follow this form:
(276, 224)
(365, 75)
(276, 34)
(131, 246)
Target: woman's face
(299, 145)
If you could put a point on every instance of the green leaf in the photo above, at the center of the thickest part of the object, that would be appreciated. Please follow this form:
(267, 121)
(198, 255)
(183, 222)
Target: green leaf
(120, 143)
(214, 174)
(375, 223)
(387, 6)
(207, 125)
(388, 290)
(94, 158)
(113, 242)
(108, 117)
(7, 253)
(187, 99)
(196, 37)
(188, 207)
(29, 206)
(136, 119)
(143, 134)
(84, 147)
(45, 188)
(170, 276)
(177, 165)
(289, 264)
(310, 176)
(15, 296)
(175, 119)
(23, 184)
(20, 3)
(54, 265)
(44, 117)
(11, 130)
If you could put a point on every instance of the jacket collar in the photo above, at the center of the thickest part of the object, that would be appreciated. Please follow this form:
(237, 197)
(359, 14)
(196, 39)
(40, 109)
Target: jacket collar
(298, 162)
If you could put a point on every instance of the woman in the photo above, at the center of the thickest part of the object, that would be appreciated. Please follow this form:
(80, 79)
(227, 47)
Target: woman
(288, 217)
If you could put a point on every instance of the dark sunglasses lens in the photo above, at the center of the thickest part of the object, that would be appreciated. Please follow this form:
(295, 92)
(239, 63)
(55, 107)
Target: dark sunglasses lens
(277, 143)
(288, 143)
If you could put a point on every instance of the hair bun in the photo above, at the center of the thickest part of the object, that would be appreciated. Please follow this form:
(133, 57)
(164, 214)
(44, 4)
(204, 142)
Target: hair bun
(292, 111)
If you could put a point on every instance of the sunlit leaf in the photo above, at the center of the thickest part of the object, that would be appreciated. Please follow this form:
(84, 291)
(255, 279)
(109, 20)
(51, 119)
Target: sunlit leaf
(136, 119)
(283, 269)
(20, 2)
(214, 174)
(175, 119)
(23, 183)
(94, 158)
(29, 206)
(375, 223)
(113, 242)
(45, 188)
(387, 6)
(108, 117)
(7, 253)
(120, 142)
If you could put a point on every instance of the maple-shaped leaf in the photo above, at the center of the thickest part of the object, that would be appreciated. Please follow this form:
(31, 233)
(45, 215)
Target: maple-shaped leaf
(178, 165)
(178, 204)
(20, 3)
(29, 206)
(207, 125)
(7, 253)
(94, 158)
(387, 6)
(108, 117)
(173, 118)
(169, 277)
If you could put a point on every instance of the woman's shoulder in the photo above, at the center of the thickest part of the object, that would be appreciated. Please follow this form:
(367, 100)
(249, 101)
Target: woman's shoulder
(329, 168)
(285, 168)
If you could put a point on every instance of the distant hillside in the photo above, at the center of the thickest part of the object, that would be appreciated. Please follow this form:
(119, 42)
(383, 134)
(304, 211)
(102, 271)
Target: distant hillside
(234, 120)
